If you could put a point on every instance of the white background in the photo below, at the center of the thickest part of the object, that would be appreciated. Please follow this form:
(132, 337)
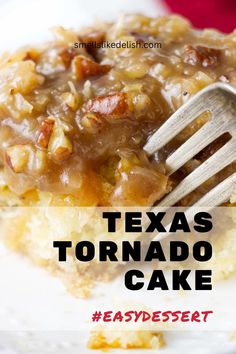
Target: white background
(28, 21)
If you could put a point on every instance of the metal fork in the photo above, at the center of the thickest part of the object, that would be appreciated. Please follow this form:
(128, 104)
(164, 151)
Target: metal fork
(220, 100)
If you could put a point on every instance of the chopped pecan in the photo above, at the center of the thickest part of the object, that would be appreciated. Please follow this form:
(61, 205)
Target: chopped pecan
(62, 153)
(84, 67)
(60, 146)
(112, 105)
(92, 41)
(16, 157)
(25, 158)
(45, 132)
(204, 56)
(67, 55)
(31, 54)
(90, 122)
(70, 100)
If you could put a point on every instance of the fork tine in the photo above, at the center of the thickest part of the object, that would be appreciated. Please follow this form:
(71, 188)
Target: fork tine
(218, 161)
(219, 194)
(173, 126)
(196, 143)
(210, 96)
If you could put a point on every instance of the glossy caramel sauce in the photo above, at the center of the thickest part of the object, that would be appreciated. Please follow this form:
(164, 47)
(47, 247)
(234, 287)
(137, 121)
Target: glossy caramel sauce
(74, 121)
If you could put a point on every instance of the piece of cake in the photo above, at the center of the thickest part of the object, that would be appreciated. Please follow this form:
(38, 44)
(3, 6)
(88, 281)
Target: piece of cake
(75, 114)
